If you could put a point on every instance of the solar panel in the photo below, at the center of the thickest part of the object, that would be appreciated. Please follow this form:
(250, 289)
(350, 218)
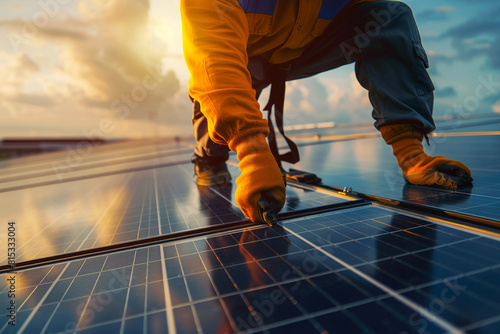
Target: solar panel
(125, 206)
(342, 270)
(333, 264)
(367, 165)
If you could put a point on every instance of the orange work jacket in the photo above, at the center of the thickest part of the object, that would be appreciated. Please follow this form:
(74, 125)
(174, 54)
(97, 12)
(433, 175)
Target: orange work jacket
(220, 35)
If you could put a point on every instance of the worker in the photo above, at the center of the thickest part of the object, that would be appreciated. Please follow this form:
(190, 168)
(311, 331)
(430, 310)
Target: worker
(235, 48)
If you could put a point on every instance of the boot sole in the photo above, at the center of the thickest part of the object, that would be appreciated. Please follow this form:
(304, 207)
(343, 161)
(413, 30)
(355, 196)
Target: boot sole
(214, 180)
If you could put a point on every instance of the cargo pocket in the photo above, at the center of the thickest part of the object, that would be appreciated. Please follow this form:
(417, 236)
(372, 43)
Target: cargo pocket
(423, 81)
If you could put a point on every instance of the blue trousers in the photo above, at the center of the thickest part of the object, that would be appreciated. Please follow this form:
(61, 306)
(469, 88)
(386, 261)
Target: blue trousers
(382, 39)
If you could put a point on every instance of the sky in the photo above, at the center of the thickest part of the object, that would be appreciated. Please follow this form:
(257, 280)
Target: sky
(115, 69)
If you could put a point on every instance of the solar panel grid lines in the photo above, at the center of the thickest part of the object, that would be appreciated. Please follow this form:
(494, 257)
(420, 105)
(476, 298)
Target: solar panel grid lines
(34, 171)
(395, 235)
(97, 300)
(38, 305)
(59, 235)
(128, 226)
(96, 308)
(83, 244)
(69, 174)
(105, 238)
(444, 324)
(190, 273)
(29, 244)
(140, 223)
(97, 152)
(236, 283)
(168, 302)
(377, 173)
(82, 233)
(195, 290)
(472, 272)
(481, 226)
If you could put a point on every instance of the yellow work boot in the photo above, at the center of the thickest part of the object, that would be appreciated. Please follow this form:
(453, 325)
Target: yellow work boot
(210, 171)
(419, 168)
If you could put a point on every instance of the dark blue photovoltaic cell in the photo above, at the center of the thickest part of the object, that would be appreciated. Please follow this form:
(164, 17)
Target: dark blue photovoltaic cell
(275, 281)
(482, 328)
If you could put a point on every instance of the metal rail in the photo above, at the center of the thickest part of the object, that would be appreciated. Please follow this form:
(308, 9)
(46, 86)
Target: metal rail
(199, 232)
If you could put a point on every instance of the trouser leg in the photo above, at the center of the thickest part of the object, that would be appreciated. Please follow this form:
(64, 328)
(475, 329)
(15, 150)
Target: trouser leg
(204, 146)
(383, 39)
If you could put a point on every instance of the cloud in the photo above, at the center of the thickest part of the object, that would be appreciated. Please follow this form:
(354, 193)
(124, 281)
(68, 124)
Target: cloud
(436, 14)
(429, 35)
(104, 63)
(496, 107)
(479, 1)
(16, 71)
(306, 106)
(445, 92)
(24, 31)
(38, 100)
(119, 59)
(437, 57)
(477, 37)
(484, 23)
(322, 99)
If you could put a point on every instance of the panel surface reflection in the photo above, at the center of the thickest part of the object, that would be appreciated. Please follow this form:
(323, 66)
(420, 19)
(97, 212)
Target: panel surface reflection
(368, 166)
(349, 271)
(100, 211)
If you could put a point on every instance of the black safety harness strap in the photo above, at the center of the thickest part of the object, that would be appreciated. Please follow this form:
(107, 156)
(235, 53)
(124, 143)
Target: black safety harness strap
(277, 99)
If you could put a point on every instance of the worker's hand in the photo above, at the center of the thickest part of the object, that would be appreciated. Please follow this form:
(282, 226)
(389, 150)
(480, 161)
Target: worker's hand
(438, 171)
(260, 187)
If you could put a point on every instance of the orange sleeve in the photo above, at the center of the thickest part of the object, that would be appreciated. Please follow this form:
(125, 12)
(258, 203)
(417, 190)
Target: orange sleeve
(215, 34)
